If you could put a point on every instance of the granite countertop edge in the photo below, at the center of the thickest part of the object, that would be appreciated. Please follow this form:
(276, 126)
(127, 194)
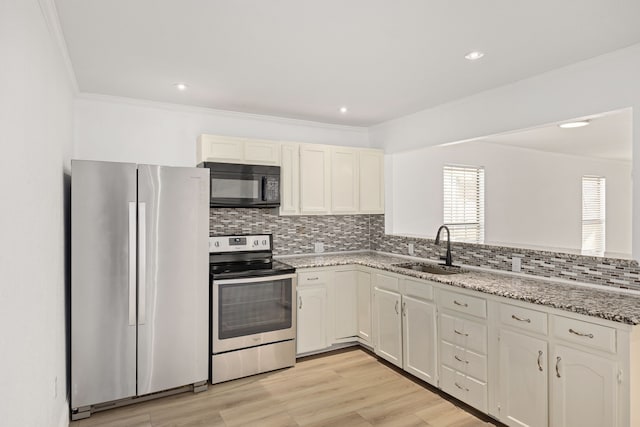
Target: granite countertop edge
(589, 301)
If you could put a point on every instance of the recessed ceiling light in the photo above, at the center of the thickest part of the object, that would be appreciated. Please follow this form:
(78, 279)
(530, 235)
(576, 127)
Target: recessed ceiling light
(571, 125)
(343, 110)
(475, 55)
(181, 86)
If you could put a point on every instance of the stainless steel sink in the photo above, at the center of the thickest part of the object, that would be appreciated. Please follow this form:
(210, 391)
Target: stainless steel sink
(432, 269)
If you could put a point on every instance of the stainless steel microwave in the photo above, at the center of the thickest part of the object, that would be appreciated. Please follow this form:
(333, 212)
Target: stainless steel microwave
(243, 186)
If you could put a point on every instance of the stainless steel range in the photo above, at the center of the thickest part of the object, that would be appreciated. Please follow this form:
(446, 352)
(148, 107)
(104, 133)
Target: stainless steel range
(253, 317)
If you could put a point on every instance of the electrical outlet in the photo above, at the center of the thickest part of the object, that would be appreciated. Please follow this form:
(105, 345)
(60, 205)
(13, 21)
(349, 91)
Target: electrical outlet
(516, 264)
(411, 251)
(318, 247)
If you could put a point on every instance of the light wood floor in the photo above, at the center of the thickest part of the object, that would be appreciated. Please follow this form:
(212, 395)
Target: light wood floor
(346, 388)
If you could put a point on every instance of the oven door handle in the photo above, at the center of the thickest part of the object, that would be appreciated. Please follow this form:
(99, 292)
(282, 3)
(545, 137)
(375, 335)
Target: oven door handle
(253, 279)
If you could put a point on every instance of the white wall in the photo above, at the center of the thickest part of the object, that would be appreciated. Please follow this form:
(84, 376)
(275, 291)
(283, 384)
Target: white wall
(543, 213)
(120, 129)
(35, 148)
(605, 83)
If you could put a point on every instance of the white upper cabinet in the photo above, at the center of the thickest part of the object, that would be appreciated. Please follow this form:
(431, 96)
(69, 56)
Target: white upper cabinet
(227, 149)
(290, 179)
(371, 185)
(315, 181)
(344, 180)
(261, 152)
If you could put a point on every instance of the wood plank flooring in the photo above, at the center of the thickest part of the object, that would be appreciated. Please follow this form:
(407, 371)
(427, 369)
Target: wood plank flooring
(346, 388)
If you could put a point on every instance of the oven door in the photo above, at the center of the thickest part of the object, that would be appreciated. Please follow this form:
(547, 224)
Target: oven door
(252, 311)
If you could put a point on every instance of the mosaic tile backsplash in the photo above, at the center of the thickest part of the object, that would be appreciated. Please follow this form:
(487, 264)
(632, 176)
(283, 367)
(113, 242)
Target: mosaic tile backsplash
(297, 235)
(618, 273)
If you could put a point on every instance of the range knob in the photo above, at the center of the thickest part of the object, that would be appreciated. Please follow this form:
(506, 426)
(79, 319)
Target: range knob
(264, 243)
(216, 244)
(255, 243)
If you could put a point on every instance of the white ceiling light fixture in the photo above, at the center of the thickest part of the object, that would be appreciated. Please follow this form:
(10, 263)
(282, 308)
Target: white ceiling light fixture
(181, 86)
(474, 56)
(343, 110)
(576, 124)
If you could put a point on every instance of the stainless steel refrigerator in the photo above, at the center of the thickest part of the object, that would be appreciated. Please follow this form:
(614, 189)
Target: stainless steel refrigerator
(140, 281)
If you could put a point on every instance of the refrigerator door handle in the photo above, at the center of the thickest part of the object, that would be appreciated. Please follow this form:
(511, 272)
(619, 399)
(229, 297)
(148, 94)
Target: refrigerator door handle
(132, 263)
(142, 261)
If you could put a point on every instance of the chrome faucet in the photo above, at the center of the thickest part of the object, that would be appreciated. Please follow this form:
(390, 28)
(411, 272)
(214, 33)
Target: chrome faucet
(447, 259)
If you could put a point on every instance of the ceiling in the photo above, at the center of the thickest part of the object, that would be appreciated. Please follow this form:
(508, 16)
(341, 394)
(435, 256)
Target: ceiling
(305, 59)
(608, 136)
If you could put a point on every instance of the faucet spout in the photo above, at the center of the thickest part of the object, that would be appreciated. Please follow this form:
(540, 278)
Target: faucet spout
(447, 258)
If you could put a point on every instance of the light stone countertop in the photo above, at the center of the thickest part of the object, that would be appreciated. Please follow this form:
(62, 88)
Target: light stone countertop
(590, 301)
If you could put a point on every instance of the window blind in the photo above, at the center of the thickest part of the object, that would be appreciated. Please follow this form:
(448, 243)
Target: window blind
(593, 215)
(464, 202)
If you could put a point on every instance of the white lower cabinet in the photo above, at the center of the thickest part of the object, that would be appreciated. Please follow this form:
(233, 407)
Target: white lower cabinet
(419, 338)
(405, 325)
(522, 380)
(584, 389)
(523, 364)
(364, 307)
(344, 305)
(388, 325)
(312, 319)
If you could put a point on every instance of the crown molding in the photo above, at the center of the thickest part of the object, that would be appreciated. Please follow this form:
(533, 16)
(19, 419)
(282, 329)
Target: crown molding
(215, 112)
(50, 15)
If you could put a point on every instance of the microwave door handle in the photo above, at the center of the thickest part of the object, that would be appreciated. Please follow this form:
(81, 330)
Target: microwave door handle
(264, 188)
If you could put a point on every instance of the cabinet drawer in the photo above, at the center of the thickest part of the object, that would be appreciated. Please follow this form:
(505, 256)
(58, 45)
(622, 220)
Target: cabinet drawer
(314, 278)
(459, 359)
(464, 333)
(585, 333)
(523, 318)
(390, 283)
(417, 289)
(464, 303)
(465, 388)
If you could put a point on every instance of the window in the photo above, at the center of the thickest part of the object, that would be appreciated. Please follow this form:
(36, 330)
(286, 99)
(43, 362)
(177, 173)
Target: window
(593, 215)
(464, 203)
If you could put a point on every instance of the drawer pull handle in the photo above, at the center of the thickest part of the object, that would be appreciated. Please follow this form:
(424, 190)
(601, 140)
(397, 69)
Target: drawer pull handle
(558, 359)
(461, 304)
(520, 319)
(460, 333)
(300, 302)
(539, 360)
(397, 307)
(460, 360)
(404, 309)
(312, 278)
(460, 387)
(580, 334)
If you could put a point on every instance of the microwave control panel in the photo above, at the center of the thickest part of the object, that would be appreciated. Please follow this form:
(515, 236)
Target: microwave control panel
(272, 188)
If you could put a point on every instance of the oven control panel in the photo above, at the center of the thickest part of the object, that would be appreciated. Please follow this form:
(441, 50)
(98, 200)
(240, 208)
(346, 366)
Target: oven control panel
(245, 243)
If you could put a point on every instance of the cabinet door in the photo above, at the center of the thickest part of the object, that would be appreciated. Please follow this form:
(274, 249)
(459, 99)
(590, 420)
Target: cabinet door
(364, 306)
(344, 180)
(388, 330)
(522, 385)
(224, 149)
(419, 331)
(371, 174)
(314, 179)
(258, 152)
(289, 179)
(584, 389)
(312, 319)
(345, 302)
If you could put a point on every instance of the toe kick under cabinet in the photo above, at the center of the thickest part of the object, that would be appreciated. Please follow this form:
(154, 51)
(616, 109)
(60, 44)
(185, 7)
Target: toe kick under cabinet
(521, 363)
